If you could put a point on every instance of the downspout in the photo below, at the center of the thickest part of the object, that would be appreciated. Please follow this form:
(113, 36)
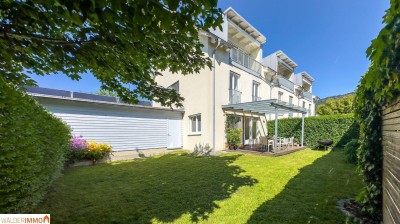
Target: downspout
(213, 68)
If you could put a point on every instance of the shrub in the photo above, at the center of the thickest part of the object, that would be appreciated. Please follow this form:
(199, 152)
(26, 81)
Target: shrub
(234, 136)
(351, 151)
(78, 149)
(339, 128)
(33, 145)
(96, 151)
(200, 149)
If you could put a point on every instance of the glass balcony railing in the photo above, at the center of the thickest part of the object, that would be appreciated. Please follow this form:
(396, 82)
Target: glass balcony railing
(245, 60)
(307, 95)
(256, 98)
(286, 83)
(234, 96)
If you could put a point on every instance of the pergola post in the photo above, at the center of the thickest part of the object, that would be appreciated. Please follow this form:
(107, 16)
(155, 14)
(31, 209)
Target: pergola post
(276, 130)
(302, 129)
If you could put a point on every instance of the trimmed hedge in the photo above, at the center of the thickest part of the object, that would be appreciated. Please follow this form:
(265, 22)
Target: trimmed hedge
(340, 128)
(33, 145)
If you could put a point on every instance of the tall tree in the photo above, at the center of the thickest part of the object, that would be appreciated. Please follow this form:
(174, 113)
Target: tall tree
(343, 105)
(120, 42)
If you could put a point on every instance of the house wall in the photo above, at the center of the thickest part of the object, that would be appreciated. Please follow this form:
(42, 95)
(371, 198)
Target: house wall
(271, 61)
(197, 89)
(124, 128)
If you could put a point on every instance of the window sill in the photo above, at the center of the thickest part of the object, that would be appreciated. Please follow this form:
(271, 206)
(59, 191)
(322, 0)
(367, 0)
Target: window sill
(194, 134)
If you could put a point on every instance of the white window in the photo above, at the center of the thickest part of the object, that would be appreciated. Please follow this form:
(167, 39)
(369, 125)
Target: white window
(309, 109)
(195, 124)
(290, 103)
(234, 94)
(255, 91)
(280, 94)
(234, 81)
(304, 105)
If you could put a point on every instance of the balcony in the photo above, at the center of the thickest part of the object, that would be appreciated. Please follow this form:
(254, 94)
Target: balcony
(256, 98)
(245, 60)
(234, 96)
(287, 84)
(307, 95)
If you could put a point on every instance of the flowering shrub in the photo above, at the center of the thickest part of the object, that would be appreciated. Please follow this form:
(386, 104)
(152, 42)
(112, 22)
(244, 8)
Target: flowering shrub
(96, 151)
(78, 143)
(84, 150)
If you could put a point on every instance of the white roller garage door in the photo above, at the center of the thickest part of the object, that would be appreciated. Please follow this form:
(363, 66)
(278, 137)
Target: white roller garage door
(125, 128)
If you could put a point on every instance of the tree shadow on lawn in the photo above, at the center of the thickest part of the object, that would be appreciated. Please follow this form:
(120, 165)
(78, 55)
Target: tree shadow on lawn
(311, 196)
(146, 190)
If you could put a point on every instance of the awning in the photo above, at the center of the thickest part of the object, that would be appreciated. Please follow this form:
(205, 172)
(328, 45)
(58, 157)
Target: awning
(271, 106)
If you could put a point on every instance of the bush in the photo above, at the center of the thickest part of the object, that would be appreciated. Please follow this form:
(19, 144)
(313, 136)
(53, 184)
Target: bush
(33, 145)
(234, 136)
(339, 128)
(351, 151)
(78, 149)
(200, 149)
(96, 151)
(83, 150)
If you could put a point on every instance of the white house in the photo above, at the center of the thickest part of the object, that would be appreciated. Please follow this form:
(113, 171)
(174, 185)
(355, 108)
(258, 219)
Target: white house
(241, 82)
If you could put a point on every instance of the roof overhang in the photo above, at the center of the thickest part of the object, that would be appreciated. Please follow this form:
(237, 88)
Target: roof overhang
(307, 76)
(271, 106)
(239, 21)
(286, 59)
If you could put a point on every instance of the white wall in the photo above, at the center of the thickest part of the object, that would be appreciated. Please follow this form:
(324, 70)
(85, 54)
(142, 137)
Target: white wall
(124, 128)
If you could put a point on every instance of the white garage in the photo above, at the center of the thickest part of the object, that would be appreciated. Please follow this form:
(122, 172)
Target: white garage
(104, 119)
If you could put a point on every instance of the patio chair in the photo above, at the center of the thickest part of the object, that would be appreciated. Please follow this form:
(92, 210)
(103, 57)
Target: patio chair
(291, 141)
(285, 142)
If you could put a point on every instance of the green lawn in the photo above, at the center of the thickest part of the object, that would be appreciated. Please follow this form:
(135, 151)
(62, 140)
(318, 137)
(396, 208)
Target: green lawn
(302, 187)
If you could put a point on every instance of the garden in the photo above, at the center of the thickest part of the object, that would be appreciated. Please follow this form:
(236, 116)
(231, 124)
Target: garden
(302, 187)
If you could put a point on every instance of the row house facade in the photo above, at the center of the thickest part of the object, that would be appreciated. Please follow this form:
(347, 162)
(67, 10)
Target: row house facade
(239, 74)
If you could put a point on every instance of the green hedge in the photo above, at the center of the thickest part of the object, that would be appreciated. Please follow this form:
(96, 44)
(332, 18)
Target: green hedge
(33, 144)
(340, 128)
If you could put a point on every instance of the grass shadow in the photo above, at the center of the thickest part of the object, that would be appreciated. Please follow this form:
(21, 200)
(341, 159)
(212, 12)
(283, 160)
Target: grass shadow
(143, 191)
(304, 201)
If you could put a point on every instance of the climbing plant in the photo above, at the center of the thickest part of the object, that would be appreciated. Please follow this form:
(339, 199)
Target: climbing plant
(378, 87)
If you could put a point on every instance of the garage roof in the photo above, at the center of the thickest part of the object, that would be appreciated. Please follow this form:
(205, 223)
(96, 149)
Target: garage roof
(89, 98)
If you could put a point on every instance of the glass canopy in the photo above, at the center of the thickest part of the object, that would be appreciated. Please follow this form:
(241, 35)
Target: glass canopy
(271, 106)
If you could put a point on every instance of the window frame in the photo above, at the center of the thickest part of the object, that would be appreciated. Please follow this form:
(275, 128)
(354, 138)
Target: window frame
(255, 90)
(280, 95)
(197, 122)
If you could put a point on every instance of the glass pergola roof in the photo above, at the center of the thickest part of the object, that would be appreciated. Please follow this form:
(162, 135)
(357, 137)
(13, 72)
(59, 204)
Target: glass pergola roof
(271, 106)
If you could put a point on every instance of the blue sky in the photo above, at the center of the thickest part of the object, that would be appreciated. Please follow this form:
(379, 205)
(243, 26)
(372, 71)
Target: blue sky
(328, 39)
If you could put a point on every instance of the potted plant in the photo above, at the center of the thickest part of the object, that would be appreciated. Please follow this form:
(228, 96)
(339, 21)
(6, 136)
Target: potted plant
(234, 137)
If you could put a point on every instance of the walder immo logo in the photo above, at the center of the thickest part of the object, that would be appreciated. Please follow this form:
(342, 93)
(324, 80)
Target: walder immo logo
(24, 218)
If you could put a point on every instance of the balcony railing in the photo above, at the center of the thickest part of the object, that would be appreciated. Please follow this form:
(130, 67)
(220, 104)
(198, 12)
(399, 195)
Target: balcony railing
(234, 96)
(285, 83)
(256, 98)
(307, 95)
(245, 60)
